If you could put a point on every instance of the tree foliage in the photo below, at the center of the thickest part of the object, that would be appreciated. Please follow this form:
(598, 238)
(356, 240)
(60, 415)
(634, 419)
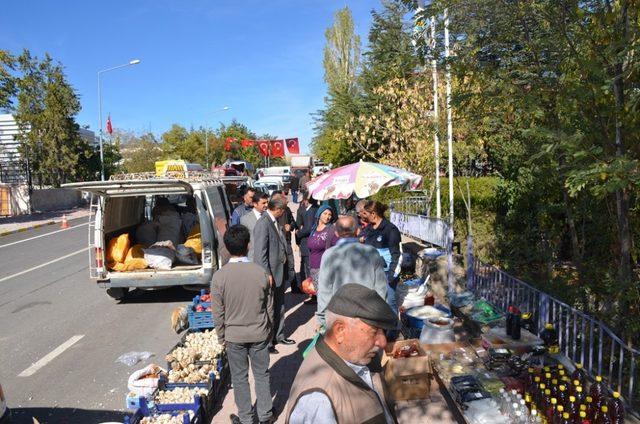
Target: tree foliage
(45, 114)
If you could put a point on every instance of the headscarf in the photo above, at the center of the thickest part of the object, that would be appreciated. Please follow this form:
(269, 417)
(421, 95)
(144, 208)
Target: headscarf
(321, 209)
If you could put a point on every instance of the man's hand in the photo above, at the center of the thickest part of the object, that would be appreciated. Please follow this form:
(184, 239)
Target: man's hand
(287, 227)
(271, 280)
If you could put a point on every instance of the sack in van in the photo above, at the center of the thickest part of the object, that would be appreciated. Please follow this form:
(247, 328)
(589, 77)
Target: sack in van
(118, 248)
(160, 255)
(134, 260)
(186, 255)
(169, 227)
(194, 240)
(147, 233)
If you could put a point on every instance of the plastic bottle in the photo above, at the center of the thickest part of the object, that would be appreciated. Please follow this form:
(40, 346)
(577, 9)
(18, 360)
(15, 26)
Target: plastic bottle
(603, 416)
(547, 379)
(616, 409)
(551, 409)
(509, 320)
(516, 323)
(579, 374)
(534, 418)
(582, 418)
(566, 418)
(549, 337)
(557, 416)
(563, 396)
(597, 392)
(579, 394)
(572, 406)
(588, 400)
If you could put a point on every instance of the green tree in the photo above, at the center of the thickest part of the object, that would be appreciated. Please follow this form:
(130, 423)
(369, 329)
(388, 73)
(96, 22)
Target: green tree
(141, 154)
(7, 79)
(46, 110)
(341, 68)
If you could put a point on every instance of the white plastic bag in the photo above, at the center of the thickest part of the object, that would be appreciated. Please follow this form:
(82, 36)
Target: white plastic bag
(144, 386)
(186, 255)
(160, 255)
(132, 358)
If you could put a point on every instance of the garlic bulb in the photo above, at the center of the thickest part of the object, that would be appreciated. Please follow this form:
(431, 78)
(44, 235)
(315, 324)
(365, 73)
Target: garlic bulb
(167, 418)
(179, 395)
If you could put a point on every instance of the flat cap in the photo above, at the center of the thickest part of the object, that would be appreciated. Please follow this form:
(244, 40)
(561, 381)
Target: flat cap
(357, 301)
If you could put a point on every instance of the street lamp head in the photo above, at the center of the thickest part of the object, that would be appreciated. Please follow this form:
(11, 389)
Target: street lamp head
(134, 62)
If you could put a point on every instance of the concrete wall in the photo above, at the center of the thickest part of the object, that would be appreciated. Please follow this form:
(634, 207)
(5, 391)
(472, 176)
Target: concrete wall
(19, 199)
(55, 199)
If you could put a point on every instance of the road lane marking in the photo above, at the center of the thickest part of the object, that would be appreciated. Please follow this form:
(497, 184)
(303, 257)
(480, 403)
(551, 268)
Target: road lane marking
(43, 265)
(43, 235)
(50, 356)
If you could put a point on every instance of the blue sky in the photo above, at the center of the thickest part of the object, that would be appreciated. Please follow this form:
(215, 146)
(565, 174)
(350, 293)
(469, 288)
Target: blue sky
(263, 59)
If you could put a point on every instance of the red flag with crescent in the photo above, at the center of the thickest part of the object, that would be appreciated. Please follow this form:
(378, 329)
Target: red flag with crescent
(109, 127)
(293, 146)
(277, 148)
(263, 146)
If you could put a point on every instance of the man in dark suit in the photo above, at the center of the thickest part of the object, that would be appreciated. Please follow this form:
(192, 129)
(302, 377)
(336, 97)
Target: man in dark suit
(249, 220)
(305, 220)
(270, 252)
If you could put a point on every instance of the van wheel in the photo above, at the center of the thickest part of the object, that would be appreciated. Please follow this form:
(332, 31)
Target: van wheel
(117, 293)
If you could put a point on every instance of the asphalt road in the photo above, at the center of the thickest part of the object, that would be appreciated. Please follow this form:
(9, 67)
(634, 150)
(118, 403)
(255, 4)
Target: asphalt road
(60, 334)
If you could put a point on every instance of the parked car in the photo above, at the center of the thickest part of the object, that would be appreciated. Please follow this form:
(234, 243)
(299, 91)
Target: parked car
(269, 185)
(5, 413)
(123, 205)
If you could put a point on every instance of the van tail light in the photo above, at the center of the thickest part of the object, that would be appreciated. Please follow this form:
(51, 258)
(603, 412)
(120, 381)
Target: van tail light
(206, 253)
(99, 258)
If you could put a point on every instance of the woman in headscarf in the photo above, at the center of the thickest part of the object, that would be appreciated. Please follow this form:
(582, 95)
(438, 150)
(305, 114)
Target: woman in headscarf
(322, 237)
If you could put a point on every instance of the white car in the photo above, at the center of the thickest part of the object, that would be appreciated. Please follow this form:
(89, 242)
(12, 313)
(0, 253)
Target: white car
(268, 185)
(5, 414)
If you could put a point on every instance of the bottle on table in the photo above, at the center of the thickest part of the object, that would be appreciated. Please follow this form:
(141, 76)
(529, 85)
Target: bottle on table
(549, 336)
(557, 416)
(579, 374)
(551, 409)
(579, 394)
(616, 409)
(509, 320)
(554, 387)
(603, 416)
(534, 417)
(563, 396)
(588, 400)
(582, 418)
(516, 329)
(566, 418)
(597, 391)
(572, 406)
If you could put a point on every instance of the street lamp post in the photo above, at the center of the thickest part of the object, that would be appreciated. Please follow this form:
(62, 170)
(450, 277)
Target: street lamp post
(206, 138)
(132, 62)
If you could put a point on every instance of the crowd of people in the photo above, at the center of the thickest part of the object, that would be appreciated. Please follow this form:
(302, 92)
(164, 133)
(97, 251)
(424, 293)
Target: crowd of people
(351, 255)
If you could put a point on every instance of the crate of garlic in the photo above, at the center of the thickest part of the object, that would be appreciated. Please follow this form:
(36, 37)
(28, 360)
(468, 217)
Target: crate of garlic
(181, 417)
(196, 347)
(180, 398)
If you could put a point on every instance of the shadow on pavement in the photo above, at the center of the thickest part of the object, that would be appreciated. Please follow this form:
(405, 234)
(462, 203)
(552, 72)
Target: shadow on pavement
(170, 294)
(64, 415)
(283, 372)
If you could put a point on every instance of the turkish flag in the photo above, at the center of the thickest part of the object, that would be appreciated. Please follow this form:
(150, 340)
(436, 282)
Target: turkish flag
(109, 127)
(227, 145)
(263, 146)
(277, 148)
(293, 147)
(247, 143)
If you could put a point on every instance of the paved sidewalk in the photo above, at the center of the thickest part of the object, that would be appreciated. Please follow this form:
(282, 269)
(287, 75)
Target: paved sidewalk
(14, 224)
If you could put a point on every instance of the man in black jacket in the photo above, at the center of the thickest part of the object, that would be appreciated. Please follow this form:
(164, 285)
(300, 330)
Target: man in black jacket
(305, 220)
(288, 224)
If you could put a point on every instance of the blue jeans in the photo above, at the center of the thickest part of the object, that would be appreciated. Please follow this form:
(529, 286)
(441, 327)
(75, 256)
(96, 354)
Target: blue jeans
(294, 196)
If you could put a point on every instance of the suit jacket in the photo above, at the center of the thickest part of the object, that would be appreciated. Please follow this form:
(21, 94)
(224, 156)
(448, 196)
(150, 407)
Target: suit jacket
(304, 231)
(249, 220)
(269, 248)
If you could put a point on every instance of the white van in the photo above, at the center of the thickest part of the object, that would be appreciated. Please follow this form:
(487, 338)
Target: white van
(119, 206)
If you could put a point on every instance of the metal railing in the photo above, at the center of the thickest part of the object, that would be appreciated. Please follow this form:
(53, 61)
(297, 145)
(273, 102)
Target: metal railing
(409, 215)
(582, 338)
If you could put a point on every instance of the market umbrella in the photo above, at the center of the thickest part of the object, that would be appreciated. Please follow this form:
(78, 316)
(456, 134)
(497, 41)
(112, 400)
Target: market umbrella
(362, 178)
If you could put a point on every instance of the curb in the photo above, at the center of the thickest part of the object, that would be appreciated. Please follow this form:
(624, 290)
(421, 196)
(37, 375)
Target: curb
(20, 230)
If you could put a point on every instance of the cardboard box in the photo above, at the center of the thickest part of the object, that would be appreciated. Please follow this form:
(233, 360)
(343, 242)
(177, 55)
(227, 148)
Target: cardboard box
(407, 378)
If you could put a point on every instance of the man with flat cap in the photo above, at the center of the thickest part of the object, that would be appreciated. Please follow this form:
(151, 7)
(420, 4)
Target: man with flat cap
(338, 382)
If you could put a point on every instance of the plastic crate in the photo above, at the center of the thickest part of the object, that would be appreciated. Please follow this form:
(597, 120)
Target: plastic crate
(206, 385)
(146, 411)
(200, 320)
(182, 342)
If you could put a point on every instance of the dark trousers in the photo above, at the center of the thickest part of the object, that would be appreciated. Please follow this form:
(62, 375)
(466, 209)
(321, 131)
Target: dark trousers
(291, 270)
(278, 314)
(305, 268)
(239, 355)
(294, 196)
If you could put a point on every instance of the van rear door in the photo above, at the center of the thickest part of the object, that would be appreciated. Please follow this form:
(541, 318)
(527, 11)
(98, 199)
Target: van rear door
(133, 188)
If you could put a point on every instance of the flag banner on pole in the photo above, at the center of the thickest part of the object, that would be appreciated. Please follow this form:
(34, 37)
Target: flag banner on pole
(277, 148)
(247, 143)
(293, 146)
(263, 146)
(109, 127)
(227, 145)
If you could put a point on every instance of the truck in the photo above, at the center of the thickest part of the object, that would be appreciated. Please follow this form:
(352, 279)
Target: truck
(126, 202)
(301, 164)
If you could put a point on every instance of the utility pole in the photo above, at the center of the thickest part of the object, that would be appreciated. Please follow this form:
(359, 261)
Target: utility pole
(449, 148)
(436, 137)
